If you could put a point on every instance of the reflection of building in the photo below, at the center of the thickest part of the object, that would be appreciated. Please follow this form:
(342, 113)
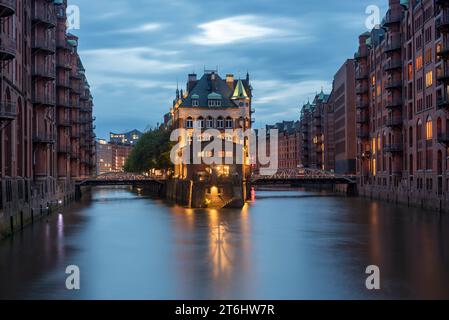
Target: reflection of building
(214, 103)
(130, 137)
(111, 157)
(46, 122)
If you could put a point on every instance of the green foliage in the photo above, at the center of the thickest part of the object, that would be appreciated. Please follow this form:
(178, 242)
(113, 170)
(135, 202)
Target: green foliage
(152, 151)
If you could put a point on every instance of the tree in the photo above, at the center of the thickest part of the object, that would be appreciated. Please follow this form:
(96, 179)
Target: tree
(152, 151)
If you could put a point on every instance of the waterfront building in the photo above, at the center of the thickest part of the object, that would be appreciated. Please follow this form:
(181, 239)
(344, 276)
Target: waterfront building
(129, 138)
(316, 128)
(344, 119)
(289, 144)
(112, 156)
(212, 102)
(402, 89)
(39, 68)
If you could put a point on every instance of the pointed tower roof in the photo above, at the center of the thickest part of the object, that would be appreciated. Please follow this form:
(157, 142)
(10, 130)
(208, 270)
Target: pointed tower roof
(239, 92)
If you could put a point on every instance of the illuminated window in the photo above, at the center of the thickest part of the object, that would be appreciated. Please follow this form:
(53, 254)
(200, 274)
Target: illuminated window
(374, 167)
(410, 71)
(418, 62)
(374, 146)
(378, 89)
(428, 55)
(429, 78)
(373, 81)
(429, 133)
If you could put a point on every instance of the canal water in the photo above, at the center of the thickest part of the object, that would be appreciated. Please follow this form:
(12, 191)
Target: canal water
(285, 245)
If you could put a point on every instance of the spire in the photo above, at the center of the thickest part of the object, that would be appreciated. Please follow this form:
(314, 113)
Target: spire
(247, 77)
(239, 92)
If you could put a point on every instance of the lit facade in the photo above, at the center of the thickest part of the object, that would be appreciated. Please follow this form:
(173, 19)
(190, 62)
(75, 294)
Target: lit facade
(402, 87)
(36, 120)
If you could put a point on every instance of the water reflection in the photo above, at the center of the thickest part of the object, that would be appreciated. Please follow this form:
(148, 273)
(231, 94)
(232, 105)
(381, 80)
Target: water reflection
(283, 245)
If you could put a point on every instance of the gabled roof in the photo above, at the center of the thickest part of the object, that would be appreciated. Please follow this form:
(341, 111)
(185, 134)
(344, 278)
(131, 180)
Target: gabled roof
(211, 85)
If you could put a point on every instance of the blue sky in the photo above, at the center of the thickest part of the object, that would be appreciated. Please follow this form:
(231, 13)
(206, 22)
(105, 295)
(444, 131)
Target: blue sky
(134, 51)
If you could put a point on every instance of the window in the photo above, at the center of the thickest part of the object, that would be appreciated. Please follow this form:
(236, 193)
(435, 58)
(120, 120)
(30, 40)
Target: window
(429, 133)
(419, 63)
(214, 103)
(428, 55)
(195, 103)
(229, 123)
(210, 123)
(429, 79)
(189, 123)
(220, 123)
(200, 122)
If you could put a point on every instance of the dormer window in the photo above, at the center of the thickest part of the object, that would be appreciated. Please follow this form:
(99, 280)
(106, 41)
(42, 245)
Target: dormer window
(195, 100)
(214, 100)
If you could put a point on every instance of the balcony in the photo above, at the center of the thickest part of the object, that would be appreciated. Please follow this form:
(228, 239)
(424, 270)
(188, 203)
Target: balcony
(393, 103)
(395, 122)
(7, 8)
(75, 135)
(62, 44)
(64, 83)
(394, 148)
(63, 101)
(362, 133)
(393, 46)
(43, 98)
(63, 62)
(361, 75)
(362, 118)
(64, 149)
(443, 75)
(44, 138)
(44, 16)
(361, 54)
(391, 19)
(444, 53)
(443, 103)
(8, 111)
(395, 64)
(7, 47)
(443, 138)
(65, 122)
(362, 89)
(43, 44)
(362, 104)
(393, 85)
(443, 23)
(44, 72)
(85, 97)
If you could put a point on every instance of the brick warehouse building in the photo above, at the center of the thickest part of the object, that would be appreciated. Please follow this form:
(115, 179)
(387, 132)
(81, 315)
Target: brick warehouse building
(46, 123)
(402, 93)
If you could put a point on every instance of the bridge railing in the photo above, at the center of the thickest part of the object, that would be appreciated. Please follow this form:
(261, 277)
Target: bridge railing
(303, 173)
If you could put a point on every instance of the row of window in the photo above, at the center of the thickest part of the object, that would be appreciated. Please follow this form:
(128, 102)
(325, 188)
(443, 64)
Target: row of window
(211, 103)
(220, 123)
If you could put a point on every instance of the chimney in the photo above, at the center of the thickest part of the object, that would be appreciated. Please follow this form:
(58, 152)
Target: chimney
(191, 82)
(230, 80)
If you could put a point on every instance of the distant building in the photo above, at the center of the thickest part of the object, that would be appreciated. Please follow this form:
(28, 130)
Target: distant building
(289, 143)
(111, 157)
(127, 138)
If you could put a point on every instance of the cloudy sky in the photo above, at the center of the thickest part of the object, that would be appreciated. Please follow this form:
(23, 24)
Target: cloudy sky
(135, 51)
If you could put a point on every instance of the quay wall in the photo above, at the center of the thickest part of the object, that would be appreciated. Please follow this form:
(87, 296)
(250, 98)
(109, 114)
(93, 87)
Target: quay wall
(23, 201)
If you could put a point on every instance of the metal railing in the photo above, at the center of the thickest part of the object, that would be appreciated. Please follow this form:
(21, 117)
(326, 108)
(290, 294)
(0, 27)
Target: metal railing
(8, 110)
(8, 47)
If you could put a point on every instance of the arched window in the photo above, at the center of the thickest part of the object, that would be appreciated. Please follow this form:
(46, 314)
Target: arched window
(429, 129)
(210, 122)
(200, 122)
(220, 123)
(189, 123)
(229, 123)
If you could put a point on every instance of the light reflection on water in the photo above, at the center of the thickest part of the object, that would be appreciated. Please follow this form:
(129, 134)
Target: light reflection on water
(284, 245)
